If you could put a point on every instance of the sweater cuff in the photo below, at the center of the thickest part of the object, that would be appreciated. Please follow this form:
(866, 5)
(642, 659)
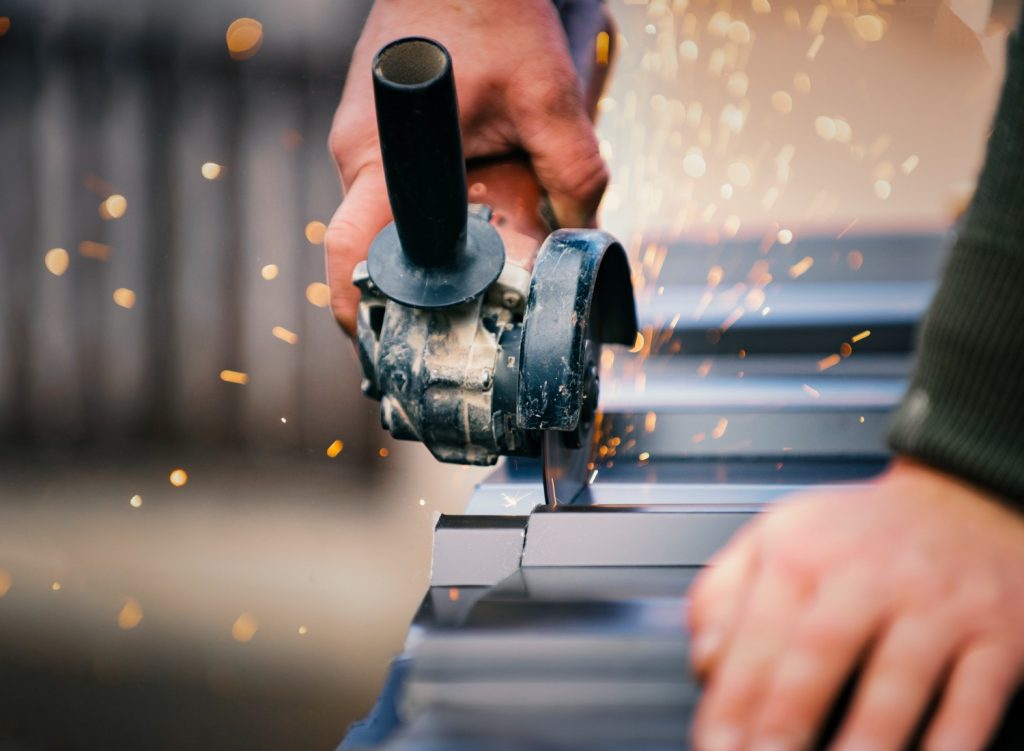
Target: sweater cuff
(964, 409)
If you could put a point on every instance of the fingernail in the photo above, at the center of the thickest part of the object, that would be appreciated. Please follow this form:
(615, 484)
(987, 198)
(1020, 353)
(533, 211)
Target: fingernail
(719, 738)
(704, 646)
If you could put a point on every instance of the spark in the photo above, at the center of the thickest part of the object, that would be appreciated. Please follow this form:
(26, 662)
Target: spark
(5, 25)
(815, 48)
(383, 453)
(818, 18)
(855, 259)
(847, 228)
(650, 421)
(234, 376)
(870, 28)
(135, 501)
(845, 349)
(802, 83)
(862, 335)
(284, 420)
(124, 298)
(285, 335)
(828, 362)
(883, 189)
(269, 271)
(694, 165)
(5, 582)
(244, 628)
(602, 46)
(739, 32)
(720, 428)
(56, 261)
(315, 232)
(509, 500)
(737, 83)
(113, 207)
(689, 51)
(726, 191)
(130, 614)
(810, 391)
(698, 438)
(825, 127)
(792, 18)
(731, 226)
(178, 477)
(318, 294)
(784, 236)
(800, 267)
(715, 274)
(335, 448)
(211, 170)
(55, 586)
(861, 419)
(453, 594)
(244, 38)
(94, 250)
(644, 456)
(761, 6)
(638, 343)
(910, 164)
(740, 174)
(782, 102)
(303, 630)
(423, 501)
(704, 368)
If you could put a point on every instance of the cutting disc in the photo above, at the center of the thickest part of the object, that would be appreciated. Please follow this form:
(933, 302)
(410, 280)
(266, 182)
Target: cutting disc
(567, 455)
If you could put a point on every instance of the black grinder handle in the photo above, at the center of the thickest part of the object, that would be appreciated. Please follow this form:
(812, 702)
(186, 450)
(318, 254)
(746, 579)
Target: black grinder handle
(421, 149)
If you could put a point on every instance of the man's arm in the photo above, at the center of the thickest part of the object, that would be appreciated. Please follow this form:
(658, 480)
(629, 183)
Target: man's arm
(918, 580)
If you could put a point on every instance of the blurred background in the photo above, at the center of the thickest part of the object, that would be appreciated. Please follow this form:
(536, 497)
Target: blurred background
(206, 541)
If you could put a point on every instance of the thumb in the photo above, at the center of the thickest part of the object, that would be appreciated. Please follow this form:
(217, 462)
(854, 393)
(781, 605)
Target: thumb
(363, 213)
(563, 149)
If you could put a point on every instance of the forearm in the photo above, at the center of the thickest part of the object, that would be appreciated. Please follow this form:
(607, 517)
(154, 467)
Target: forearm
(964, 410)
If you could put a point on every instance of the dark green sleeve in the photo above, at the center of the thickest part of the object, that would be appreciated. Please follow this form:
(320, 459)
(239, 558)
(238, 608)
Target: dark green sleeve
(964, 410)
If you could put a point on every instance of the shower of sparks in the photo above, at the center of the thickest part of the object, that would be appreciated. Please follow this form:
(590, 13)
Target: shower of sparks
(94, 250)
(861, 336)
(124, 298)
(56, 261)
(178, 477)
(135, 501)
(244, 628)
(285, 335)
(801, 267)
(113, 207)
(336, 447)
(828, 362)
(234, 376)
(244, 38)
(211, 170)
(130, 614)
(811, 391)
(318, 294)
(315, 232)
(5, 582)
(269, 272)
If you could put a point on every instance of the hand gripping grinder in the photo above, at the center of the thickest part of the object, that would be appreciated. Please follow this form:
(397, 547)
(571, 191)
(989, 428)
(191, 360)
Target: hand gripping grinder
(466, 351)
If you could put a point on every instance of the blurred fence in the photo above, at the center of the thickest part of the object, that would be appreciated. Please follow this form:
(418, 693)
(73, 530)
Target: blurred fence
(101, 100)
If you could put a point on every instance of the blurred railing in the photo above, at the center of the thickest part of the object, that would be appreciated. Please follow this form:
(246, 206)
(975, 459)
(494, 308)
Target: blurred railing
(95, 102)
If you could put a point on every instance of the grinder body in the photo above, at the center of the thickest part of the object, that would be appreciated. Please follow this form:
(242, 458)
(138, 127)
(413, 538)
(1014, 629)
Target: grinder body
(467, 351)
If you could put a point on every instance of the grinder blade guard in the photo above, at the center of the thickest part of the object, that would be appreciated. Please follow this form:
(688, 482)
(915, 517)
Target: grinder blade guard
(466, 352)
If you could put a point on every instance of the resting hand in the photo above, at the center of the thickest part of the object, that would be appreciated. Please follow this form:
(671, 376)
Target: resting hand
(917, 579)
